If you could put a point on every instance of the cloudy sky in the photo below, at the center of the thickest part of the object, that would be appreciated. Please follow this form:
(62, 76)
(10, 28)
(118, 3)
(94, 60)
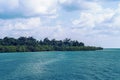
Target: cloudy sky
(95, 22)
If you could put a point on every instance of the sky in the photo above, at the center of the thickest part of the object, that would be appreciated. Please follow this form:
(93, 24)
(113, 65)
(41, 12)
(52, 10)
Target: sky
(94, 22)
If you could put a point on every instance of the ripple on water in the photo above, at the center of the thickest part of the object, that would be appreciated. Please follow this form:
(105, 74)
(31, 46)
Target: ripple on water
(62, 66)
(32, 70)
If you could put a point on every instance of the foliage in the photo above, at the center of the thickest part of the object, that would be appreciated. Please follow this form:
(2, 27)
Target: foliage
(29, 44)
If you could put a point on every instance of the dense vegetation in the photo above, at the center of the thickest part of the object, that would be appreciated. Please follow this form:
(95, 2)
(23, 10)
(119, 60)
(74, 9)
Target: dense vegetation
(29, 44)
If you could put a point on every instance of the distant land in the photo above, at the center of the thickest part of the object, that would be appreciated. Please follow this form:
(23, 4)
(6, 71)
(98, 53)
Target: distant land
(30, 44)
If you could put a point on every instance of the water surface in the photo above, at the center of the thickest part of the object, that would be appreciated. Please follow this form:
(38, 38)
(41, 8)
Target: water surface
(78, 65)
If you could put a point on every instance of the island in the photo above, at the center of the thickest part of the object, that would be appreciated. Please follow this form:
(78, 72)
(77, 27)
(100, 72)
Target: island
(30, 44)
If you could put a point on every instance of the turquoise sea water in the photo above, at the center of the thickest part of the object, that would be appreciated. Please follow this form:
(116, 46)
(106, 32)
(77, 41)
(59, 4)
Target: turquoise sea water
(79, 65)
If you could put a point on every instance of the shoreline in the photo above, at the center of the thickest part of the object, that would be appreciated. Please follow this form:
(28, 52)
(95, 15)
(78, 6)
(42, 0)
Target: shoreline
(52, 51)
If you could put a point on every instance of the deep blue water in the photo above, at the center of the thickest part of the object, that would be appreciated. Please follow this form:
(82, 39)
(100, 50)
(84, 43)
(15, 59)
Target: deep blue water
(79, 65)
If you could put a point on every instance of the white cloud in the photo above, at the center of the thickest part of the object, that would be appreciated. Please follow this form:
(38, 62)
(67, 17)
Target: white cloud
(27, 8)
(92, 19)
(31, 27)
(40, 19)
(39, 6)
(19, 27)
(71, 5)
(20, 24)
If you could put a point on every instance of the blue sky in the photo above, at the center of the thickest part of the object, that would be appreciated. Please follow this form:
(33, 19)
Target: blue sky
(95, 22)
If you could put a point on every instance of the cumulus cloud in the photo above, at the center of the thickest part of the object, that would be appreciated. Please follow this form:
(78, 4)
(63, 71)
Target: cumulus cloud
(19, 27)
(89, 21)
(93, 18)
(71, 5)
(26, 8)
(105, 21)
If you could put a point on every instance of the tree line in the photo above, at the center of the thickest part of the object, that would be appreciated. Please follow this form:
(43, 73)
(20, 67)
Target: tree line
(30, 44)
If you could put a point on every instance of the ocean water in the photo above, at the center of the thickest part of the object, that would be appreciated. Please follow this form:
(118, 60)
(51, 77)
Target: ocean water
(78, 65)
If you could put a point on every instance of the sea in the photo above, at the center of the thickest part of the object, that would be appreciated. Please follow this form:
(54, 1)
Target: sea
(61, 65)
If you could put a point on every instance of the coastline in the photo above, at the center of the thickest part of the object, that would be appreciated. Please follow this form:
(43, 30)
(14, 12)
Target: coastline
(29, 44)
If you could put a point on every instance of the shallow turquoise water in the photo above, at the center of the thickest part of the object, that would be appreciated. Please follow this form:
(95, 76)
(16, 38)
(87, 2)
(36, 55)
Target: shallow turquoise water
(79, 65)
